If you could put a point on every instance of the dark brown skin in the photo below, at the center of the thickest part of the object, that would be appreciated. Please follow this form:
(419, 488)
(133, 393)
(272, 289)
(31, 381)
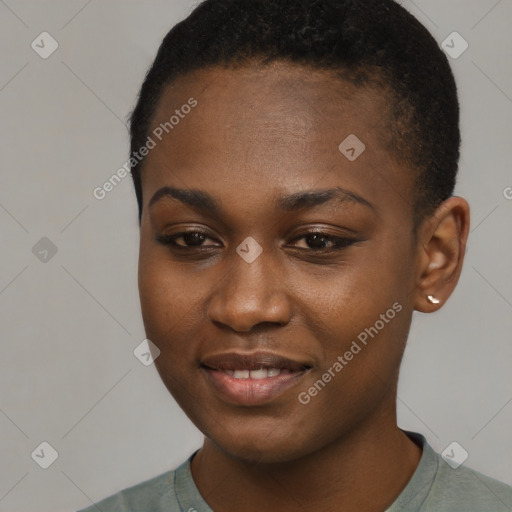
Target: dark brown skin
(258, 134)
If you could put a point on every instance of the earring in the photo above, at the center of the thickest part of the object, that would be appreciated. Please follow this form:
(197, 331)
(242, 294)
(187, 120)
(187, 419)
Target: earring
(432, 299)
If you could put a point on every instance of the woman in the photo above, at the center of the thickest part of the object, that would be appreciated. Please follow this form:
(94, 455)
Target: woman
(296, 206)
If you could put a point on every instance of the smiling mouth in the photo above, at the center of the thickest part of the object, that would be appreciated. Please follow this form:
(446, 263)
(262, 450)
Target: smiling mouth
(261, 373)
(252, 379)
(255, 365)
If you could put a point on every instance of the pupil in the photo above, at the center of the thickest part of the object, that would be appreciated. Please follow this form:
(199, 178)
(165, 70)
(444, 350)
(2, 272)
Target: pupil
(317, 238)
(193, 238)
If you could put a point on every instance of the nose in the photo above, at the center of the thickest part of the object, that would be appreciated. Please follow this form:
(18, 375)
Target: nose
(250, 294)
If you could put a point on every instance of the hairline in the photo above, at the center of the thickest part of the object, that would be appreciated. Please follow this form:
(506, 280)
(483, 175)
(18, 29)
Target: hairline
(359, 77)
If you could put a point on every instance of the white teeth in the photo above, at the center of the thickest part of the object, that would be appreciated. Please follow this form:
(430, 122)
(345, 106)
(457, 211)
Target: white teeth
(262, 373)
(241, 374)
(259, 374)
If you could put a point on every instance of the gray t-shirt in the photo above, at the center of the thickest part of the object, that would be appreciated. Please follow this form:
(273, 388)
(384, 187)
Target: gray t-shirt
(434, 487)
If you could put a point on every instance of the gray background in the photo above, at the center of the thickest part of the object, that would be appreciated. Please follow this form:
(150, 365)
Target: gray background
(69, 325)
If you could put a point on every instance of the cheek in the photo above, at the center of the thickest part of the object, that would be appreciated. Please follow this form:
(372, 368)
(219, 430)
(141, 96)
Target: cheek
(165, 299)
(361, 315)
(167, 312)
(350, 298)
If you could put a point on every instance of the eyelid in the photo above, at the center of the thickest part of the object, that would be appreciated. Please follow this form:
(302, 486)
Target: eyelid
(338, 241)
(327, 231)
(170, 239)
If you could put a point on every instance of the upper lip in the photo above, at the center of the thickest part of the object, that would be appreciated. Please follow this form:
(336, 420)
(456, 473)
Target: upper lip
(252, 361)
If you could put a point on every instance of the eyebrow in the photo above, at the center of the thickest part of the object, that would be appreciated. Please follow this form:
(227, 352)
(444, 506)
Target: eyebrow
(204, 202)
(310, 198)
(197, 199)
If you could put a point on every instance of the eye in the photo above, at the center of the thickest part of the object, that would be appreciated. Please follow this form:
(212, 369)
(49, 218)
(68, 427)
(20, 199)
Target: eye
(315, 241)
(318, 241)
(190, 239)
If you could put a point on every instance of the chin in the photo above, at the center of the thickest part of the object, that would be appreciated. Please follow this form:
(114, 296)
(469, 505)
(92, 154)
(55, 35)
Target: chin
(255, 453)
(260, 446)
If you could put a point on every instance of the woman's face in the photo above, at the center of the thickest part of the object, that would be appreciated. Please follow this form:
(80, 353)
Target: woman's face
(298, 256)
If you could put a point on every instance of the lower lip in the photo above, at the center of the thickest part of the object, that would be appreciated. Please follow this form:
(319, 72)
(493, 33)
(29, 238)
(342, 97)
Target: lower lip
(251, 391)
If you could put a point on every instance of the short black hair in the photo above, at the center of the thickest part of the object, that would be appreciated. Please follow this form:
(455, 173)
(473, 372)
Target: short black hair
(375, 41)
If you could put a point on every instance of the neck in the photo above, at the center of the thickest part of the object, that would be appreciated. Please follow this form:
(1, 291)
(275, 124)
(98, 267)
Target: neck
(364, 471)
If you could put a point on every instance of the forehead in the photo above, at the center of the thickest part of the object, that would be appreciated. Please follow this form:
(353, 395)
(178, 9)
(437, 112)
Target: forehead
(276, 126)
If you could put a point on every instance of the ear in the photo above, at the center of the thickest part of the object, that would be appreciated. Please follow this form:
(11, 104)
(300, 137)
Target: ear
(441, 248)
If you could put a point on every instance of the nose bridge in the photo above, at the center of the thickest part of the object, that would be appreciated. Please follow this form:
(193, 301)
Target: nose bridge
(250, 292)
(250, 272)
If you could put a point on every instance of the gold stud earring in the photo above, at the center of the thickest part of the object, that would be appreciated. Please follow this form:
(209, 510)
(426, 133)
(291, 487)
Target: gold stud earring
(432, 299)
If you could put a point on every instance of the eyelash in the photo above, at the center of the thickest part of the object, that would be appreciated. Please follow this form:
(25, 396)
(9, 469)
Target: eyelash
(338, 241)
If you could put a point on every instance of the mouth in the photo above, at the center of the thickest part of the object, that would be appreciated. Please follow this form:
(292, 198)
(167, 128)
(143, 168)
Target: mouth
(252, 379)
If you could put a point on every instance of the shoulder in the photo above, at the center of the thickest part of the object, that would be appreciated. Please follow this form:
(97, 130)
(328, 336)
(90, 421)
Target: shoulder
(156, 494)
(441, 486)
(464, 489)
